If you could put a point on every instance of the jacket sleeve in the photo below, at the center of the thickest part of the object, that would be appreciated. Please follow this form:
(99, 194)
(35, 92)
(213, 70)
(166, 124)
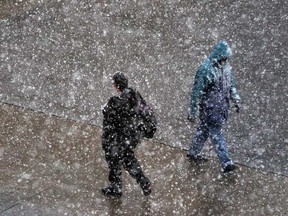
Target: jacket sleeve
(197, 91)
(111, 114)
(233, 91)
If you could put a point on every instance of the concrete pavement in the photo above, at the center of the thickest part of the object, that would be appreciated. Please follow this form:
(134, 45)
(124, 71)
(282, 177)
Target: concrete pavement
(56, 56)
(55, 166)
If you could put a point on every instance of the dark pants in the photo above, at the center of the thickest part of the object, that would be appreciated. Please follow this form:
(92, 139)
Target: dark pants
(121, 155)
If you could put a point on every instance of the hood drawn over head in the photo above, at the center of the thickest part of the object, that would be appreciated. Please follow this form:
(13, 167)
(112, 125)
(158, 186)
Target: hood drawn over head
(221, 50)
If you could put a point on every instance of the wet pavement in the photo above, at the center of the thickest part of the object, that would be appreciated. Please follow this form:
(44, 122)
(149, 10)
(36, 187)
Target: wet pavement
(55, 166)
(11, 8)
(56, 56)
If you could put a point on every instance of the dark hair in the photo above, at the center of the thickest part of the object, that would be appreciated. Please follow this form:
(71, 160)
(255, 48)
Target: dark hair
(120, 80)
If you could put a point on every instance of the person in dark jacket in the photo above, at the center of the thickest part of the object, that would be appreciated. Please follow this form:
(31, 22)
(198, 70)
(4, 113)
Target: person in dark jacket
(120, 137)
(214, 87)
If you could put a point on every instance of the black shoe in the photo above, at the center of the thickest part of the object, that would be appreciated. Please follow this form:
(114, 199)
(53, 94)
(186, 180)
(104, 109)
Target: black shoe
(147, 189)
(146, 186)
(197, 158)
(112, 191)
(229, 168)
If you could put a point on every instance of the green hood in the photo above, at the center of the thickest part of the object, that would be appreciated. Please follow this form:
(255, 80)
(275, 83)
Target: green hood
(220, 50)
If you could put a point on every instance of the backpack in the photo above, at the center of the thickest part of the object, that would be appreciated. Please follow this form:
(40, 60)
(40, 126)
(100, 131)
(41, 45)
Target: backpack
(146, 117)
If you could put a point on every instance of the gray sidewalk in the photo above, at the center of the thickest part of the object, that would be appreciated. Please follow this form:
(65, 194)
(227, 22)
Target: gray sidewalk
(53, 166)
(57, 56)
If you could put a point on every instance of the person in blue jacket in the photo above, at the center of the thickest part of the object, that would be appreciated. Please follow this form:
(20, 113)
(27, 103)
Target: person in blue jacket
(214, 87)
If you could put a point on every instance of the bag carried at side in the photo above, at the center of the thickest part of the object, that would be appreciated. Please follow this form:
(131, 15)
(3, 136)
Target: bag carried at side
(146, 117)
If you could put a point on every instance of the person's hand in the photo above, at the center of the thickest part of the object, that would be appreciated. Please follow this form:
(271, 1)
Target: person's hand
(238, 107)
(191, 118)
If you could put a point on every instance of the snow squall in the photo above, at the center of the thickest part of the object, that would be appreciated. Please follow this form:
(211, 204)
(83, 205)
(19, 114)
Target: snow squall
(57, 57)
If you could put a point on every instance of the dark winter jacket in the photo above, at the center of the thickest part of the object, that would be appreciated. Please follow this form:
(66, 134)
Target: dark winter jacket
(214, 86)
(119, 120)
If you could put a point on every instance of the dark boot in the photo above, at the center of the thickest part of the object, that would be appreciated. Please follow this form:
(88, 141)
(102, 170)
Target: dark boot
(145, 184)
(229, 168)
(112, 190)
(197, 158)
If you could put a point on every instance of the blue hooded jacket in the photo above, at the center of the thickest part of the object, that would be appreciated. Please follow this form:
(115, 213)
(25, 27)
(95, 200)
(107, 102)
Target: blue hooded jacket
(214, 86)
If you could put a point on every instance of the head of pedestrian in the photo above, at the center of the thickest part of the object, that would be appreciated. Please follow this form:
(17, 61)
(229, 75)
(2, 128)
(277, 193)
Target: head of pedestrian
(120, 81)
(221, 53)
(223, 60)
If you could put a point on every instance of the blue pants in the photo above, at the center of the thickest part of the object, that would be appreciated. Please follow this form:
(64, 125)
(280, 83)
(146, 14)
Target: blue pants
(213, 131)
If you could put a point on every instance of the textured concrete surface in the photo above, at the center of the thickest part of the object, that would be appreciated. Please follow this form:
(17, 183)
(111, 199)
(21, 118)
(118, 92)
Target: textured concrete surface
(54, 166)
(57, 56)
